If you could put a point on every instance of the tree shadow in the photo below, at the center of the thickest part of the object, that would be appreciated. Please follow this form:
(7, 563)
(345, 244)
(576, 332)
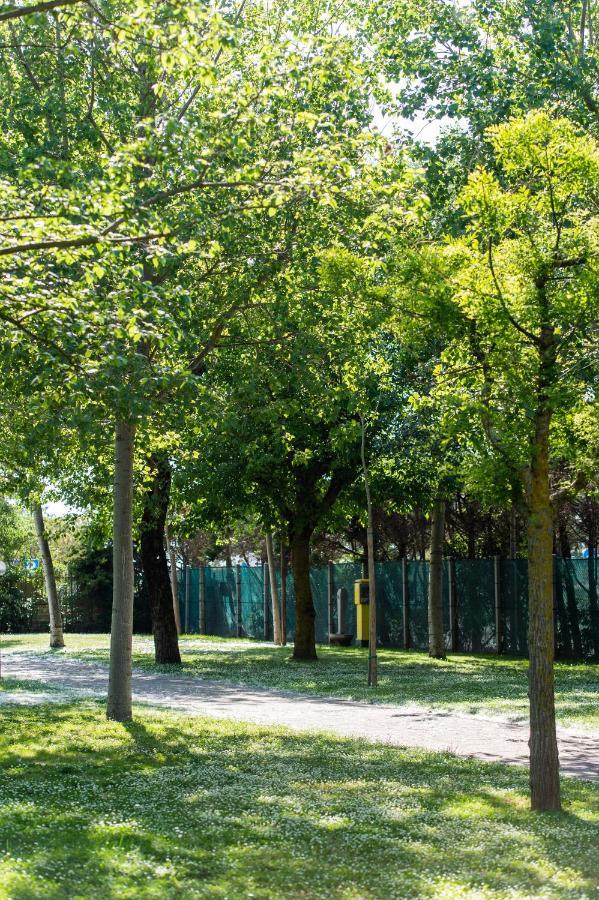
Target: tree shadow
(167, 806)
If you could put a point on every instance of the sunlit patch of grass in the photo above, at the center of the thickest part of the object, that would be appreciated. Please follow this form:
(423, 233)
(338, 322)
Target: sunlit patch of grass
(170, 806)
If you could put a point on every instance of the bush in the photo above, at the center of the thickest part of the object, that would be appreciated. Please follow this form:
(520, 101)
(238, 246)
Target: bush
(16, 610)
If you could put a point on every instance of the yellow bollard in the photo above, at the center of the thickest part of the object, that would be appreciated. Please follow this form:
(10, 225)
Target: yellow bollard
(362, 601)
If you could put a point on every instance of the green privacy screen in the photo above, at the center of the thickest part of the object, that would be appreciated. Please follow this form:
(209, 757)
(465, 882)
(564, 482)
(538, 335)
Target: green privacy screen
(484, 601)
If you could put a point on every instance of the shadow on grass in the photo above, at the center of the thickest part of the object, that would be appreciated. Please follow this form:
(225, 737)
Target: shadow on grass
(170, 807)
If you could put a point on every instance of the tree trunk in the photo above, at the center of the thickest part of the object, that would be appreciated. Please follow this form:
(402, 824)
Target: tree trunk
(513, 531)
(283, 593)
(119, 676)
(274, 592)
(372, 623)
(305, 641)
(544, 763)
(173, 576)
(154, 562)
(572, 606)
(56, 635)
(436, 643)
(593, 599)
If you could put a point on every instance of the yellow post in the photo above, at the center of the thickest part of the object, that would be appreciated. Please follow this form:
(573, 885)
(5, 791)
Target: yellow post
(361, 601)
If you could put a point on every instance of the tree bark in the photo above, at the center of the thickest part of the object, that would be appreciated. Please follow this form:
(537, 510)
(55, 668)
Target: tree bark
(436, 646)
(593, 598)
(572, 606)
(544, 762)
(173, 576)
(274, 592)
(283, 593)
(305, 641)
(372, 623)
(56, 634)
(119, 675)
(154, 562)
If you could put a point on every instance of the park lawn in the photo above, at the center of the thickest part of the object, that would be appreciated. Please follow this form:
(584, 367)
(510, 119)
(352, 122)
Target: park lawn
(17, 685)
(487, 685)
(180, 807)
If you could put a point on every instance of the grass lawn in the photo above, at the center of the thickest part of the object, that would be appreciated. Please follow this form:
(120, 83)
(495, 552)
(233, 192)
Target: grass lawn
(175, 807)
(476, 684)
(17, 685)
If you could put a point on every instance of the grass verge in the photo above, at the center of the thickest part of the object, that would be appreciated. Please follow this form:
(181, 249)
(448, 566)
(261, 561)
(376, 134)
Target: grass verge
(476, 684)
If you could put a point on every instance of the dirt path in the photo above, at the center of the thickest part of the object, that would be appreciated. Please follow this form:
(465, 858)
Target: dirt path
(488, 739)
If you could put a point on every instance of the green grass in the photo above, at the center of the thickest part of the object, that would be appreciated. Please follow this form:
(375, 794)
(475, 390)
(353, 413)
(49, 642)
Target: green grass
(185, 807)
(486, 685)
(16, 685)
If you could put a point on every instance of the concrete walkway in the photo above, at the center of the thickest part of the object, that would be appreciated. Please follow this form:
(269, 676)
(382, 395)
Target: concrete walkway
(493, 740)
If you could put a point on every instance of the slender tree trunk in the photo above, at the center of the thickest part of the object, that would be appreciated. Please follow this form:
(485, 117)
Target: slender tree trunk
(56, 635)
(436, 646)
(544, 763)
(119, 676)
(173, 576)
(283, 593)
(372, 623)
(573, 617)
(274, 592)
(513, 531)
(305, 641)
(154, 562)
(593, 598)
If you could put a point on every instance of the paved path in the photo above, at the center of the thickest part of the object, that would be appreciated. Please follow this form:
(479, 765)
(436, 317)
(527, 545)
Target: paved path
(494, 740)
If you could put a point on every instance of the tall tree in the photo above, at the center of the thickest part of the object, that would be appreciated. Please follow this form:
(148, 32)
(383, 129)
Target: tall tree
(523, 280)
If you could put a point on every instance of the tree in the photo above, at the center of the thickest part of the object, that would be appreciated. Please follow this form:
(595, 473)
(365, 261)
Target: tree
(147, 174)
(56, 635)
(274, 591)
(372, 620)
(436, 646)
(523, 280)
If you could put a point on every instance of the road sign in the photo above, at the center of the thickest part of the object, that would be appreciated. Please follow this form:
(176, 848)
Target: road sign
(3, 568)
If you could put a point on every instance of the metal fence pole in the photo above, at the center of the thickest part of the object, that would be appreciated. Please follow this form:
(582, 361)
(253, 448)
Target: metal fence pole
(238, 598)
(405, 589)
(265, 598)
(186, 599)
(453, 608)
(330, 596)
(202, 616)
(498, 610)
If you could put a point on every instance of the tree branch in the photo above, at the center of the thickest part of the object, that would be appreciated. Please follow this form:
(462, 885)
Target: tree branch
(524, 331)
(17, 12)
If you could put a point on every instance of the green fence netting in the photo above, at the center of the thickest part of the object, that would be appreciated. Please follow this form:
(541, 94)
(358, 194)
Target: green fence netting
(481, 597)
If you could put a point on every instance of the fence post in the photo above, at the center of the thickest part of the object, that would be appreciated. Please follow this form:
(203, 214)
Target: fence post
(186, 599)
(405, 591)
(238, 599)
(330, 596)
(265, 597)
(498, 610)
(453, 608)
(202, 616)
